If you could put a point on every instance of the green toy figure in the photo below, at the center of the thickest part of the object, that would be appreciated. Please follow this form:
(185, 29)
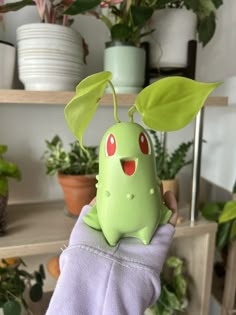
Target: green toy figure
(128, 201)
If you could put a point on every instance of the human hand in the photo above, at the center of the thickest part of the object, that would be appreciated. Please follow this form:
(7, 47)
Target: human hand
(121, 280)
(136, 267)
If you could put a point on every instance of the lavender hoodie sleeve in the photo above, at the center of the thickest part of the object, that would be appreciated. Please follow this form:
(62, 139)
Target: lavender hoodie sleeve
(97, 279)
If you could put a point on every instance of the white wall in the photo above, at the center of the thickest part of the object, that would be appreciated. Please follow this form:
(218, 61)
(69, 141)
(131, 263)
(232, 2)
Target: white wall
(24, 128)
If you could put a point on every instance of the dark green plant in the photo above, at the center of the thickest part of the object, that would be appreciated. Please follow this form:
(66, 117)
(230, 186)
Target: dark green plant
(14, 280)
(224, 213)
(173, 295)
(205, 12)
(76, 161)
(7, 169)
(168, 165)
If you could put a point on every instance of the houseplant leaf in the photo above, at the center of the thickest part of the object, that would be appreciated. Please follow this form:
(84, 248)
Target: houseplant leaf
(222, 236)
(229, 212)
(80, 6)
(211, 211)
(12, 308)
(171, 103)
(81, 109)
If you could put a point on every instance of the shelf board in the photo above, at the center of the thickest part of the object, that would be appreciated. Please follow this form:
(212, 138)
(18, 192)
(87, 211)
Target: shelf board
(41, 228)
(37, 228)
(63, 97)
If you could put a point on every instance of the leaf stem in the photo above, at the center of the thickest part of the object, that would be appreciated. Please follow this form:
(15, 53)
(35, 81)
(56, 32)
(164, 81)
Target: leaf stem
(131, 112)
(115, 102)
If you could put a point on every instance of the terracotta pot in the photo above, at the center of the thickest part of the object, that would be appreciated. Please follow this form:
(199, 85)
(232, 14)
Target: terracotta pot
(172, 185)
(78, 191)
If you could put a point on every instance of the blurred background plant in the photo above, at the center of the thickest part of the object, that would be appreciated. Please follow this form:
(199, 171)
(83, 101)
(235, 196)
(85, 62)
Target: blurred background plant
(169, 165)
(224, 213)
(75, 161)
(15, 280)
(173, 297)
(205, 12)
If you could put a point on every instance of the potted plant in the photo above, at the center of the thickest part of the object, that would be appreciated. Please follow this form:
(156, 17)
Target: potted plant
(15, 283)
(123, 55)
(224, 214)
(173, 297)
(51, 55)
(7, 169)
(7, 59)
(168, 165)
(177, 22)
(76, 171)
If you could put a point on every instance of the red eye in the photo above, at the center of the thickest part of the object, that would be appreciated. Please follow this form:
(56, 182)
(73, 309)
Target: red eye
(111, 145)
(143, 143)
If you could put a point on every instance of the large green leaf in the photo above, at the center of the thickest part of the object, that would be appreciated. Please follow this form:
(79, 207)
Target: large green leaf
(211, 211)
(81, 109)
(9, 169)
(141, 14)
(229, 212)
(11, 308)
(206, 28)
(36, 292)
(223, 234)
(171, 103)
(15, 6)
(80, 6)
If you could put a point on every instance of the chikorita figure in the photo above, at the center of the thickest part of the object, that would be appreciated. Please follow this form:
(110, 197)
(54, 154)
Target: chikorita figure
(128, 200)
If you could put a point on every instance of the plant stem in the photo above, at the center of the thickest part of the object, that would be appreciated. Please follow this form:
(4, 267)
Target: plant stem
(131, 112)
(115, 102)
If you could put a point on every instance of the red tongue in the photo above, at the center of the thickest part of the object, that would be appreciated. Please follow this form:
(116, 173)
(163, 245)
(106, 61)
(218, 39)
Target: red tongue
(128, 167)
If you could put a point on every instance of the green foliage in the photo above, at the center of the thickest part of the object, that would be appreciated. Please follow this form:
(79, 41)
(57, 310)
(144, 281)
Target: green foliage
(173, 295)
(14, 280)
(7, 169)
(158, 102)
(169, 165)
(74, 162)
(224, 213)
(205, 11)
(80, 110)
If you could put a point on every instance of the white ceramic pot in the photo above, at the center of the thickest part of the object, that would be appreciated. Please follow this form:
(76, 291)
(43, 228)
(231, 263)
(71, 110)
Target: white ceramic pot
(169, 42)
(127, 65)
(7, 64)
(50, 57)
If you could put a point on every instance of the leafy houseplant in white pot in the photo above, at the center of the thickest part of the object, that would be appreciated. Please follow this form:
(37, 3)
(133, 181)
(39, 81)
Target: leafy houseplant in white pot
(76, 171)
(123, 56)
(169, 165)
(176, 22)
(51, 55)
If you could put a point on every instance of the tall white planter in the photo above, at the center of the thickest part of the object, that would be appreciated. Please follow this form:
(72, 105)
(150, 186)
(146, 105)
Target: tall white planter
(169, 42)
(7, 64)
(50, 57)
(127, 65)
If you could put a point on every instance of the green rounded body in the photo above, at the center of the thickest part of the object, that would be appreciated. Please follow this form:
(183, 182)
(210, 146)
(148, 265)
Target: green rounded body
(128, 202)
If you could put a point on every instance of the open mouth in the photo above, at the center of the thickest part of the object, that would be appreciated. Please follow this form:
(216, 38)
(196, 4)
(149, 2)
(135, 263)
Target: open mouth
(128, 166)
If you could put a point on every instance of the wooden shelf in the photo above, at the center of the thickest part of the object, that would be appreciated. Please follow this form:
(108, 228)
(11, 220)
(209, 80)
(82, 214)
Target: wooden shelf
(33, 229)
(41, 228)
(62, 98)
